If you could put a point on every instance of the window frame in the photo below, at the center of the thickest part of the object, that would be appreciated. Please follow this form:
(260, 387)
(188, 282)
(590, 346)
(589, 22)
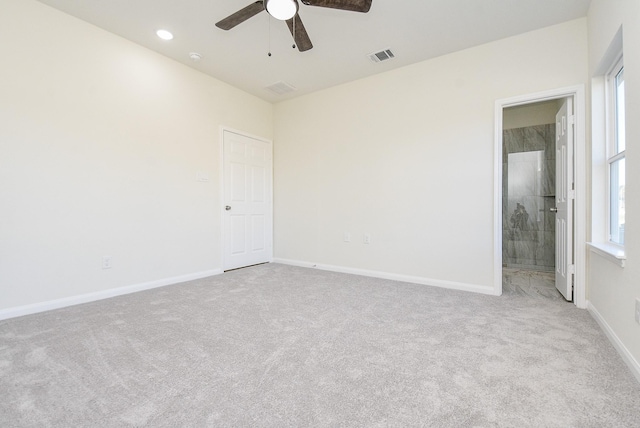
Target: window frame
(613, 155)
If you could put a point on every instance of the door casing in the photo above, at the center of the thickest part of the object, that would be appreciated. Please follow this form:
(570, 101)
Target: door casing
(579, 175)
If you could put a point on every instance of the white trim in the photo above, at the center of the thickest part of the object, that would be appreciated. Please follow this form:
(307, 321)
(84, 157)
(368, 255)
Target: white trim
(222, 201)
(609, 251)
(627, 357)
(497, 198)
(579, 251)
(611, 135)
(100, 295)
(391, 276)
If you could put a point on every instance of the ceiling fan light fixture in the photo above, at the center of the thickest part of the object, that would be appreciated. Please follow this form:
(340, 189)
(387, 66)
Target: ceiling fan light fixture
(282, 9)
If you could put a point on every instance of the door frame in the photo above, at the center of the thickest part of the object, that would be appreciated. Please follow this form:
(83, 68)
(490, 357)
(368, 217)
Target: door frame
(221, 203)
(579, 176)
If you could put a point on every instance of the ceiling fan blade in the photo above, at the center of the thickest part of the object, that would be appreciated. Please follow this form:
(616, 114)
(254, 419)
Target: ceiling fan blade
(240, 16)
(303, 42)
(353, 5)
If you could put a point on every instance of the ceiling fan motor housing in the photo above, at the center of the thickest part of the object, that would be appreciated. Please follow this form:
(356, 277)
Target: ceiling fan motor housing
(281, 9)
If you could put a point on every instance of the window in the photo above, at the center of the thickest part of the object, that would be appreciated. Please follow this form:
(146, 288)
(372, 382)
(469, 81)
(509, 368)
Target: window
(616, 152)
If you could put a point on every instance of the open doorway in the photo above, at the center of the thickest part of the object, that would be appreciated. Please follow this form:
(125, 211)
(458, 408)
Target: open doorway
(539, 192)
(529, 198)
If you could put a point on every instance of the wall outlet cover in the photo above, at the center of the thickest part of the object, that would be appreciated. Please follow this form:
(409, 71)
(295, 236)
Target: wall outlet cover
(106, 262)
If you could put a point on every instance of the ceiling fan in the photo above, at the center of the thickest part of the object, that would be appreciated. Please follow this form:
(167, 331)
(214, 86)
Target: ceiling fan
(287, 10)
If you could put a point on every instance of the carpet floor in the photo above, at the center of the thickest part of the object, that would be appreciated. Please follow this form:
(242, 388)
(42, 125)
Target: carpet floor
(276, 345)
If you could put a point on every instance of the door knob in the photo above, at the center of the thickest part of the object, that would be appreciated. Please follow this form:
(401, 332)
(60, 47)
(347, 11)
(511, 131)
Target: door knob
(227, 208)
(553, 210)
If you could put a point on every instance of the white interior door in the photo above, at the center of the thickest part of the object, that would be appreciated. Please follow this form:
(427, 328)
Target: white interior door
(565, 195)
(248, 224)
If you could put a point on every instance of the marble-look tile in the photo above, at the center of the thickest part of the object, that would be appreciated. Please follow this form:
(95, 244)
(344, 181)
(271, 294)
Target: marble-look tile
(545, 278)
(549, 216)
(517, 235)
(508, 246)
(505, 180)
(550, 141)
(545, 252)
(513, 140)
(523, 266)
(525, 246)
(505, 152)
(505, 251)
(535, 207)
(517, 218)
(548, 257)
(534, 138)
(548, 178)
(531, 248)
(530, 283)
(505, 212)
(525, 213)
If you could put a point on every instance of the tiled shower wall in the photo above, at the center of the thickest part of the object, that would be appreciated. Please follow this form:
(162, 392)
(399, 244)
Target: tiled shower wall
(528, 193)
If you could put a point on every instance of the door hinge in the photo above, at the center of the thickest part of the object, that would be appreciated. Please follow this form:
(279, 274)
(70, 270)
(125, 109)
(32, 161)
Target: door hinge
(571, 194)
(571, 269)
(572, 120)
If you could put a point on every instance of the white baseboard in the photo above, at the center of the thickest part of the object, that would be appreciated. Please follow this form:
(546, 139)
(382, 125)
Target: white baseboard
(627, 357)
(393, 276)
(99, 295)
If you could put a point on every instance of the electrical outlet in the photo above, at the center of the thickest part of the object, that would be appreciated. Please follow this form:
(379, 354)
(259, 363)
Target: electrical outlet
(347, 237)
(638, 311)
(366, 238)
(106, 262)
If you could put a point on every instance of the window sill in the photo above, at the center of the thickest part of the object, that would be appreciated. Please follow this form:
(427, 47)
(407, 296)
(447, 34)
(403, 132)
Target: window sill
(611, 252)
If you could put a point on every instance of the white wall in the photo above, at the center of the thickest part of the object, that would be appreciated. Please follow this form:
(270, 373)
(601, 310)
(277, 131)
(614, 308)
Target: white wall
(101, 142)
(407, 156)
(612, 290)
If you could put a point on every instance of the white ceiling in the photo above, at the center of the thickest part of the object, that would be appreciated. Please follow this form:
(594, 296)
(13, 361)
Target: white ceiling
(415, 30)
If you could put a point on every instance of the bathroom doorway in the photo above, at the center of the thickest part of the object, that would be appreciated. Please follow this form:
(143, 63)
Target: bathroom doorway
(528, 198)
(535, 245)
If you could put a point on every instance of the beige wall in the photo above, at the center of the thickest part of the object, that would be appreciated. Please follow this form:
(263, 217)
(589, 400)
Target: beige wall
(101, 142)
(541, 113)
(407, 156)
(612, 290)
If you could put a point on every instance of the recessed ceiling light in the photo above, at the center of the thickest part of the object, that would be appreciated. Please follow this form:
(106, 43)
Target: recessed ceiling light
(164, 34)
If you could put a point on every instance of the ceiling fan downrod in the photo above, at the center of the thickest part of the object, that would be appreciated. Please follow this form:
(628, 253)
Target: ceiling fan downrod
(294, 32)
(269, 35)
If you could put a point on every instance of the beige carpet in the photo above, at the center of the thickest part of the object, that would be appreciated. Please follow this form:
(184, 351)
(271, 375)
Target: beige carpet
(275, 345)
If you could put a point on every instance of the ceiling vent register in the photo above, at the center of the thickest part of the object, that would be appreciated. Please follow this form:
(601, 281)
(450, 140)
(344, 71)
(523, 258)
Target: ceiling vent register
(281, 88)
(381, 56)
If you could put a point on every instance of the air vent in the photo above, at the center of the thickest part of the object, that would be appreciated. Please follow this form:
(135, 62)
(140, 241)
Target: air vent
(281, 88)
(384, 55)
